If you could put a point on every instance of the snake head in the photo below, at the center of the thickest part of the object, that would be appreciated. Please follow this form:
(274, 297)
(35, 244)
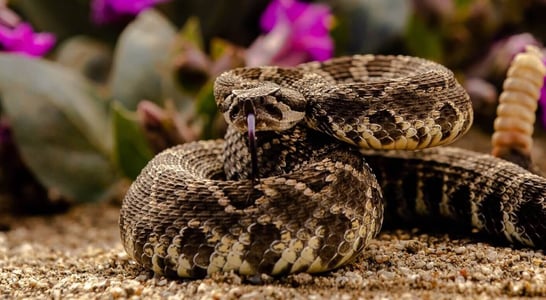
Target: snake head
(274, 107)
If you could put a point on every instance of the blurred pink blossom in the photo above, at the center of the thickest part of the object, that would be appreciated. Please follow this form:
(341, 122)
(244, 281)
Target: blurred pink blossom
(109, 11)
(22, 39)
(296, 32)
(500, 55)
(542, 99)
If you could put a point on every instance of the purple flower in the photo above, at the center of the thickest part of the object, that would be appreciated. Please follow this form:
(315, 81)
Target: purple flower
(297, 32)
(22, 39)
(542, 99)
(108, 11)
(500, 55)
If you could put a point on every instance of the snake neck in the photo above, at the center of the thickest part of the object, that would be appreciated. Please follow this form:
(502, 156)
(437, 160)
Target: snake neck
(277, 153)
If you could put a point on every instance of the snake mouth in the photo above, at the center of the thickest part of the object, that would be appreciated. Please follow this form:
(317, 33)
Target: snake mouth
(269, 115)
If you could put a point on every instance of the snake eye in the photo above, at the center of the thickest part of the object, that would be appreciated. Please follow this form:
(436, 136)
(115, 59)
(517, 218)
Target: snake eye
(234, 112)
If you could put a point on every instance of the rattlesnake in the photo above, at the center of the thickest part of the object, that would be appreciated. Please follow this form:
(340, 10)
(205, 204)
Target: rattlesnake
(313, 202)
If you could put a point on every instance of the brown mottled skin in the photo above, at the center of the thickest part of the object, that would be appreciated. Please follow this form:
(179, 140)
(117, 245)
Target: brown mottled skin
(194, 211)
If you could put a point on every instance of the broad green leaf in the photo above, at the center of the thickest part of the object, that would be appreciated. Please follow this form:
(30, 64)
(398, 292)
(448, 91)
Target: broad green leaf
(368, 26)
(141, 60)
(205, 107)
(131, 149)
(60, 125)
(205, 103)
(423, 41)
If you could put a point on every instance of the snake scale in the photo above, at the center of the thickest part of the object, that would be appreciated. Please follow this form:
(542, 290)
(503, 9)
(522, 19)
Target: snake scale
(326, 172)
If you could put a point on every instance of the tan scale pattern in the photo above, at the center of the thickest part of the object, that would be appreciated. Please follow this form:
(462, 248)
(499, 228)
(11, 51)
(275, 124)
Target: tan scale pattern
(372, 101)
(474, 190)
(193, 212)
(293, 223)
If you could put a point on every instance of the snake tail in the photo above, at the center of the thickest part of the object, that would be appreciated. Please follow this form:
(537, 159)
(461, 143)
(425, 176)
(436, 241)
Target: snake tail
(470, 189)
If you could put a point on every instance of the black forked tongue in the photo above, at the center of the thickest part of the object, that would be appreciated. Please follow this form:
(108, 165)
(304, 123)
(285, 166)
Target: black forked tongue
(251, 125)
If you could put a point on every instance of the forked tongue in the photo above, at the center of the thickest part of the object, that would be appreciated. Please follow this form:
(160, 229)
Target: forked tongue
(251, 125)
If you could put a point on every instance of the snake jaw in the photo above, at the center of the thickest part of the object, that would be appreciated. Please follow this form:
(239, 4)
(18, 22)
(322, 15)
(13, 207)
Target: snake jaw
(268, 117)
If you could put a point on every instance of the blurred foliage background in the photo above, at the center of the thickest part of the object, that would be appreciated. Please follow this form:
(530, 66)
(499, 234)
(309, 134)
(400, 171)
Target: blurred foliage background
(96, 88)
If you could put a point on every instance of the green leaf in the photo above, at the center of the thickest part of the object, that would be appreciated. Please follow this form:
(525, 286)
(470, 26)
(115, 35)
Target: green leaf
(205, 107)
(60, 125)
(132, 151)
(462, 4)
(205, 102)
(191, 32)
(423, 41)
(141, 60)
(368, 26)
(219, 47)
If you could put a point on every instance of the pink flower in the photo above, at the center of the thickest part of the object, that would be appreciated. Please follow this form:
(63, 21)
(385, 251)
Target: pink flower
(500, 55)
(542, 99)
(296, 32)
(22, 39)
(108, 11)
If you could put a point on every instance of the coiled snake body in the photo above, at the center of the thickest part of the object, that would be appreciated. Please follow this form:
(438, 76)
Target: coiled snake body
(316, 203)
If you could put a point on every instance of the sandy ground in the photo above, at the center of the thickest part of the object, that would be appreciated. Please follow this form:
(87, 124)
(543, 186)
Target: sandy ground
(78, 254)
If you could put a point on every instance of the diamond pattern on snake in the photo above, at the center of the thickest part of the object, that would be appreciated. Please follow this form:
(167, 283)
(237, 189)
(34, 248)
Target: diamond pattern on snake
(314, 159)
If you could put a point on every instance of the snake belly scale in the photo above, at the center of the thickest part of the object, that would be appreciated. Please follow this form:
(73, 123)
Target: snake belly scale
(193, 210)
